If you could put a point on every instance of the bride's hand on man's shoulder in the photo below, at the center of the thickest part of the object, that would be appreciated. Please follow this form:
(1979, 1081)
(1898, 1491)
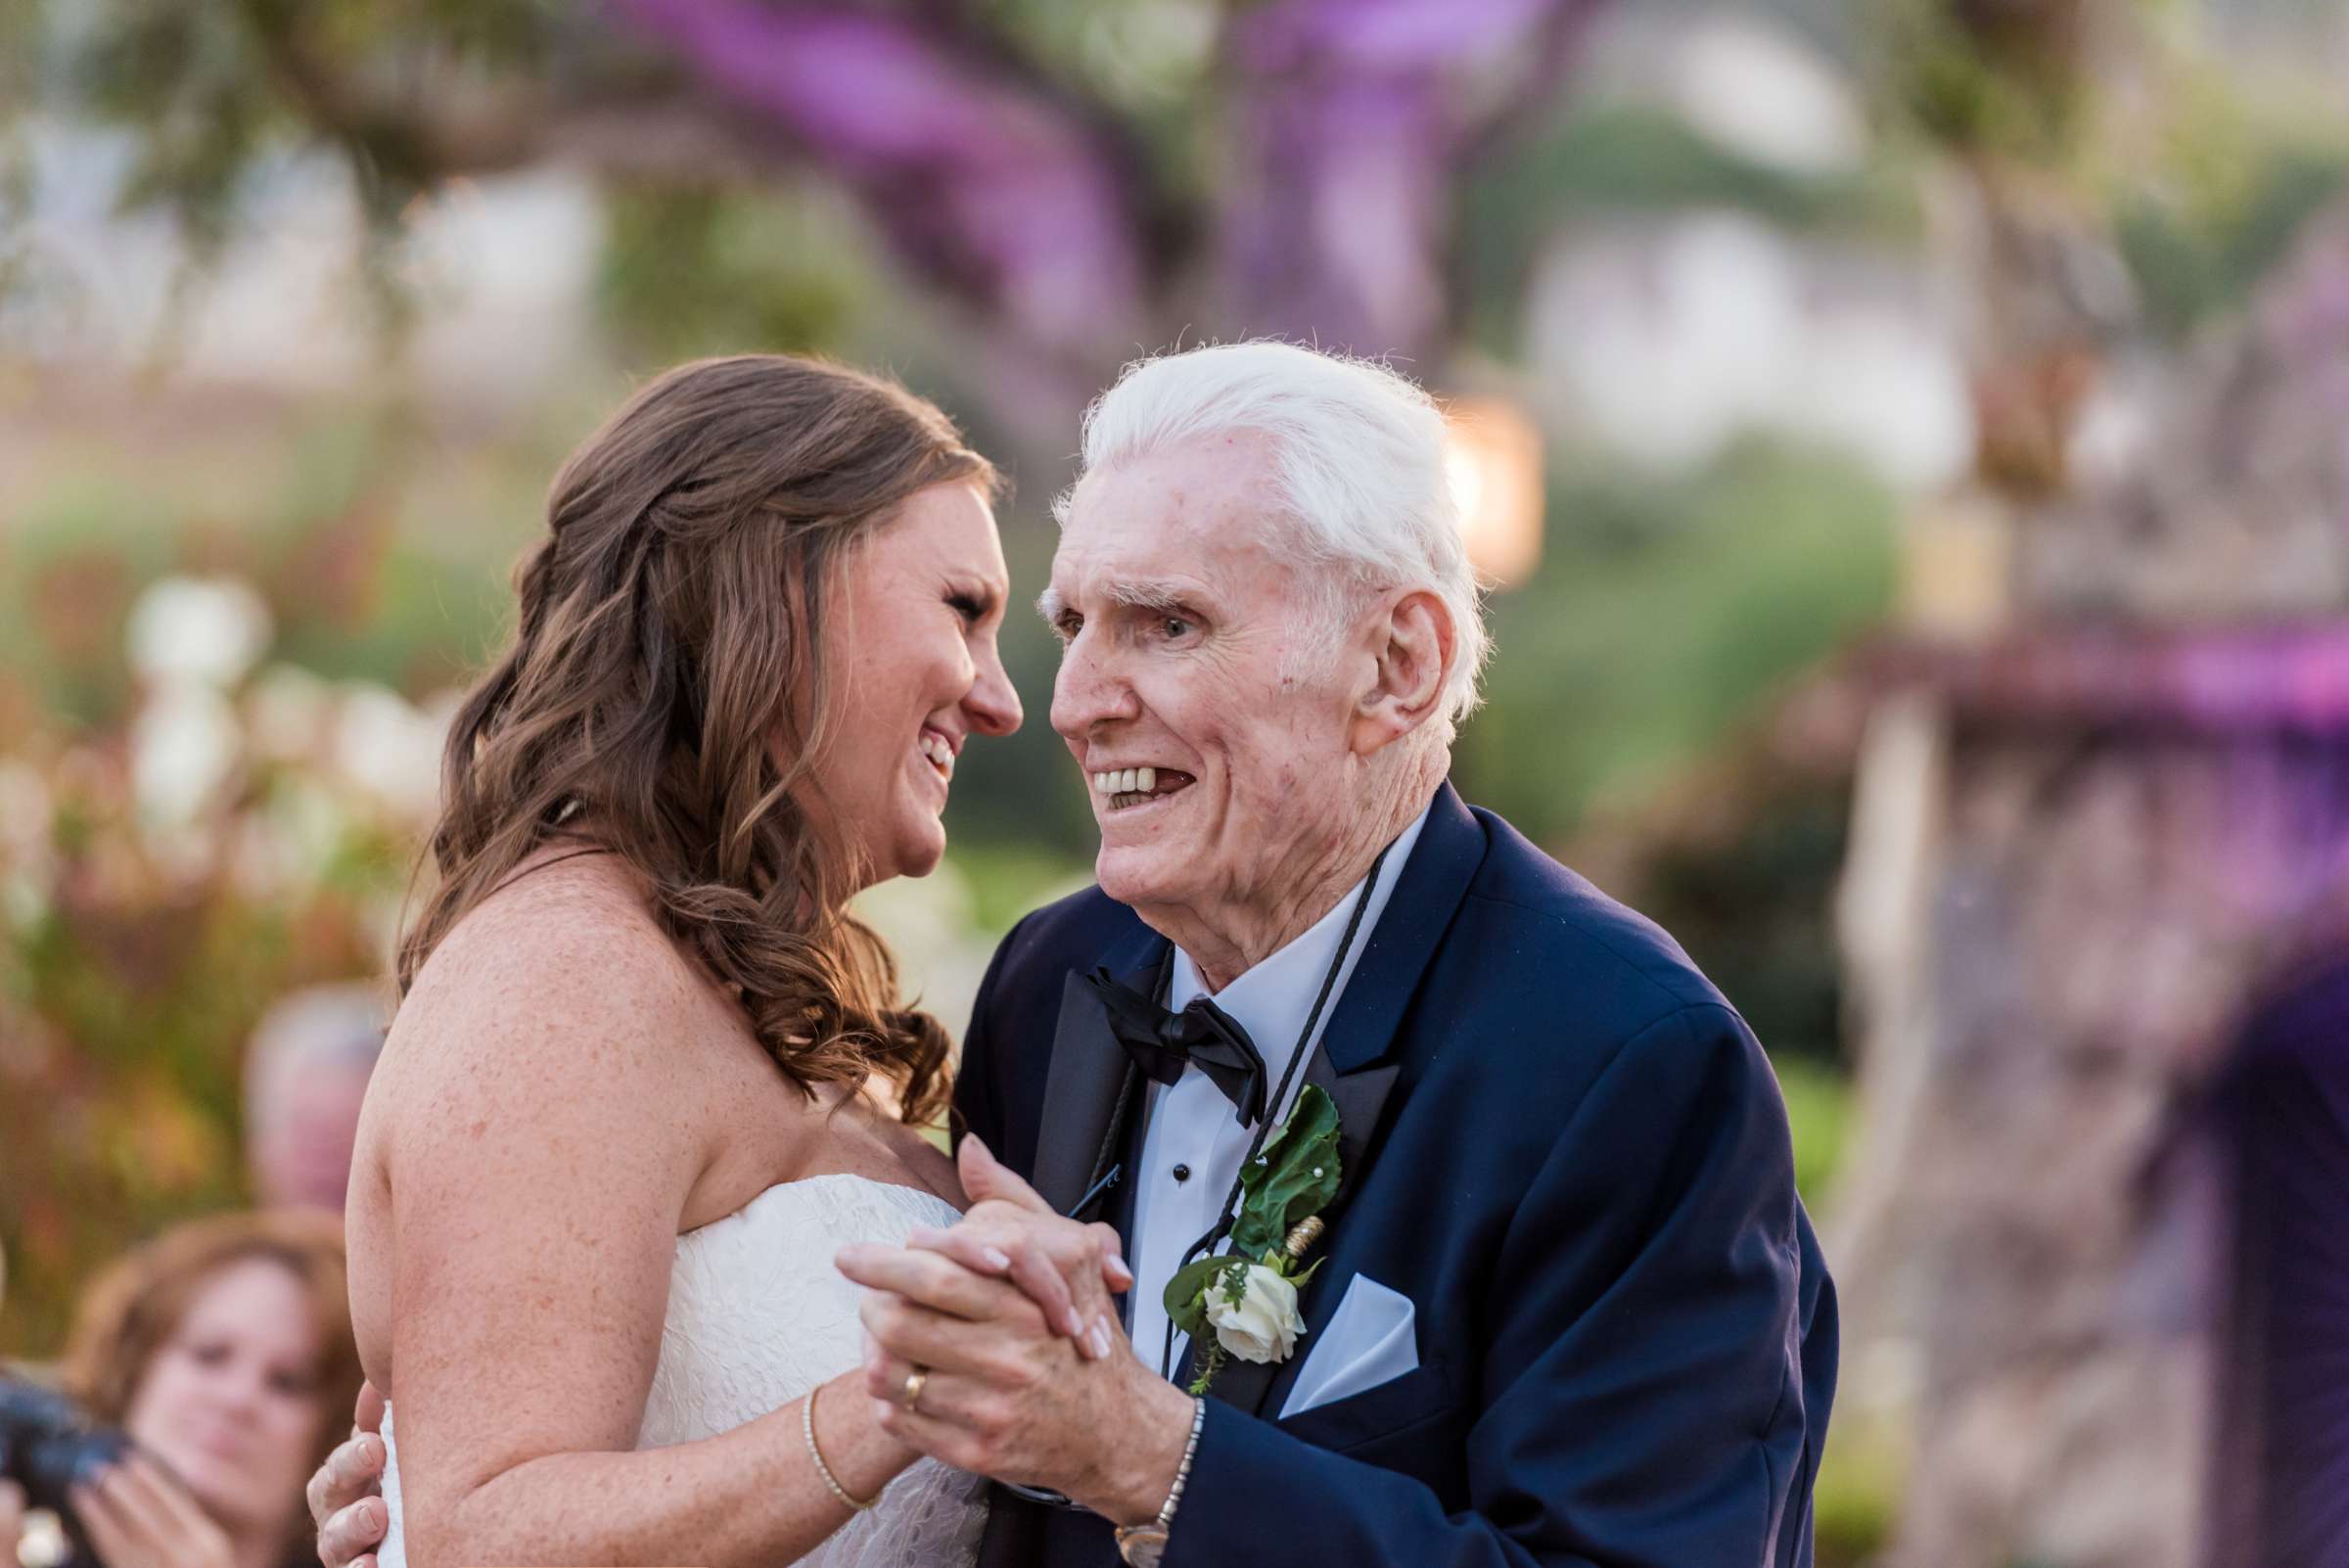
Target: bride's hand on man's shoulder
(1069, 1270)
(346, 1495)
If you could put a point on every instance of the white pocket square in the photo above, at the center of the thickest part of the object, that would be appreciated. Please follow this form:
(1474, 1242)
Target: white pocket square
(1373, 1338)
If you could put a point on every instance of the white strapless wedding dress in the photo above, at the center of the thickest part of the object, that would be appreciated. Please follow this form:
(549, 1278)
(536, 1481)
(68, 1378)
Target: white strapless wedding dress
(757, 1316)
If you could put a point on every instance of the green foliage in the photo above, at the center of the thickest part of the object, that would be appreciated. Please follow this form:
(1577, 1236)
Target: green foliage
(128, 989)
(216, 87)
(1618, 157)
(2006, 80)
(359, 587)
(1856, 1498)
(2197, 253)
(1009, 877)
(1751, 901)
(703, 270)
(1137, 55)
(1663, 613)
(1819, 1107)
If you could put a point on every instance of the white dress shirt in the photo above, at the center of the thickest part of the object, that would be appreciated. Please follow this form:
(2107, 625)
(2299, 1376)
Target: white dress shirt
(1193, 1129)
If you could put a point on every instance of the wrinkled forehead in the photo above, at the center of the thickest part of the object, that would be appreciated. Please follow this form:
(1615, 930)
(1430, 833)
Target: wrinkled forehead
(1199, 513)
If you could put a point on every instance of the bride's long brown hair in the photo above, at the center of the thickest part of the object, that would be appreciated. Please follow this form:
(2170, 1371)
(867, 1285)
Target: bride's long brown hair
(665, 693)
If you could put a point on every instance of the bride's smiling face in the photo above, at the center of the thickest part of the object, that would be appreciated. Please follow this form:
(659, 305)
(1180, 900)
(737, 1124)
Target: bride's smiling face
(910, 643)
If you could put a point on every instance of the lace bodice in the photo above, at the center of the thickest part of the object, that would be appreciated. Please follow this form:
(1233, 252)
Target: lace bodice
(757, 1316)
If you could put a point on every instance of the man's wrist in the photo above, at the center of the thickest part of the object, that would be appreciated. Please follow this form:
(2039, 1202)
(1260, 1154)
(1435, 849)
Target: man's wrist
(1135, 1484)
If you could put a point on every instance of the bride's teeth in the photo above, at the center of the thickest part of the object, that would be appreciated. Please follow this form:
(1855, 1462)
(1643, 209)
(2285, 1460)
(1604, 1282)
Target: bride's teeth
(1146, 779)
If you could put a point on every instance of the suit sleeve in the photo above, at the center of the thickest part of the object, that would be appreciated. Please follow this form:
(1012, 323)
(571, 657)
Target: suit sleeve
(978, 1096)
(1640, 1404)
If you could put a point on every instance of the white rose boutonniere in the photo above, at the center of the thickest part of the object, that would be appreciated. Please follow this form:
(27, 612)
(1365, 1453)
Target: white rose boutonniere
(1249, 1295)
(1263, 1325)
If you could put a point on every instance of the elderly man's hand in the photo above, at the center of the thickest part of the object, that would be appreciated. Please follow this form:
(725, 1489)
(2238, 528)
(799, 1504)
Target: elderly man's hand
(1004, 1394)
(345, 1494)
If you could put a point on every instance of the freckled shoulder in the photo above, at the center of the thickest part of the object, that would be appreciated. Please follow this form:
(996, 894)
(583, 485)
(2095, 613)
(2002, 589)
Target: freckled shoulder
(557, 989)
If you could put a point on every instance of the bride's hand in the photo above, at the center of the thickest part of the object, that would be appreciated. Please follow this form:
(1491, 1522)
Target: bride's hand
(345, 1494)
(1070, 1270)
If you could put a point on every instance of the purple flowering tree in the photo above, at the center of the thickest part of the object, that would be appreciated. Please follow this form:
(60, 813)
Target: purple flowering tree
(1341, 125)
(1318, 143)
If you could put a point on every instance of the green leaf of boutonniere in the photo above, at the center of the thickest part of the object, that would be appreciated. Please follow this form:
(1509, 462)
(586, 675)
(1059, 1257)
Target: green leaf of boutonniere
(1248, 1296)
(1296, 1175)
(1185, 1295)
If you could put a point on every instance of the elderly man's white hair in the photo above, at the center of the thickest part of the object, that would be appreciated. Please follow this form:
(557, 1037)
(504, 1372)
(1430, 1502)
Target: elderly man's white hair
(1360, 464)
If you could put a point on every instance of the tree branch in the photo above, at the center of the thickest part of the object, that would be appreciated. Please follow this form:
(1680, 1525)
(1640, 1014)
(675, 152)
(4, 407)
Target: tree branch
(998, 194)
(1354, 118)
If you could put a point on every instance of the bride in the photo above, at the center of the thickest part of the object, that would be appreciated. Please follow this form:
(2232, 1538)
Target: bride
(623, 1121)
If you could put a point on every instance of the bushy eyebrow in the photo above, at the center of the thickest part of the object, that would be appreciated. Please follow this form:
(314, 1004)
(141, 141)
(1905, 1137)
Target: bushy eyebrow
(1148, 593)
(1151, 594)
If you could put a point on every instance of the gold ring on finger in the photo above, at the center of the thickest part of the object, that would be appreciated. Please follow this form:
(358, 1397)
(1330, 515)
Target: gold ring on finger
(915, 1381)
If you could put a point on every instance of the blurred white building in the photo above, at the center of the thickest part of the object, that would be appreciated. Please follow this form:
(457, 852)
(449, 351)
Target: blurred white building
(503, 269)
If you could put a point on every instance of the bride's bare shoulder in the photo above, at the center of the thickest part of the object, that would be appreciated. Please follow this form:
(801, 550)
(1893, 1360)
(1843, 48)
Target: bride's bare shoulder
(567, 949)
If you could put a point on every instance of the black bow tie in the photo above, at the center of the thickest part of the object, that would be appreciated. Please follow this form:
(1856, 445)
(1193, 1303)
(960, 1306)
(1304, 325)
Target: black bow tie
(1163, 1044)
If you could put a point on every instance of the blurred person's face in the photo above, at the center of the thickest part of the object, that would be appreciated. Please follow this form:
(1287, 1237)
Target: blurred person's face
(302, 1157)
(232, 1402)
(911, 641)
(1185, 654)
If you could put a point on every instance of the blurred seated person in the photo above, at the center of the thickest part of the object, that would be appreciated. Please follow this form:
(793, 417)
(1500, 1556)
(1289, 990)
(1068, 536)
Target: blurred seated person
(223, 1349)
(305, 1075)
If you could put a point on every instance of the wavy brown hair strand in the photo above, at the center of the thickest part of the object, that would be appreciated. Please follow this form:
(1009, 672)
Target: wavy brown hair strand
(666, 692)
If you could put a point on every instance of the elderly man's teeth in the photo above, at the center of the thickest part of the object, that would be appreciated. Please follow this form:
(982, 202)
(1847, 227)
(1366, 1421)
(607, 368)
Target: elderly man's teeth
(940, 754)
(1122, 781)
(1127, 780)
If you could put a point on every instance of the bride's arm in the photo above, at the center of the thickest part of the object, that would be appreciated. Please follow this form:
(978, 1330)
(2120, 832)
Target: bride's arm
(540, 1147)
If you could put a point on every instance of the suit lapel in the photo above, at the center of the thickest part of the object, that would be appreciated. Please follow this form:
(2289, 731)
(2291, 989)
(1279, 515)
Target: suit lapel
(1090, 1082)
(1361, 1100)
(1434, 881)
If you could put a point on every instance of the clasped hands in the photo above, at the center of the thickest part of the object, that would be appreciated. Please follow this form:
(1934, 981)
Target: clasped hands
(1026, 1373)
(1004, 1329)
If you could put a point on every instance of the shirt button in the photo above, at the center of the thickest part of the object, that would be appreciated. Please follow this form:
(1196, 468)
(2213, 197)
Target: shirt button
(1182, 1173)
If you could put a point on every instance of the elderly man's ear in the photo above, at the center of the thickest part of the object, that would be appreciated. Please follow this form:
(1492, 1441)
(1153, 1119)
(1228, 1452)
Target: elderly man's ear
(1412, 646)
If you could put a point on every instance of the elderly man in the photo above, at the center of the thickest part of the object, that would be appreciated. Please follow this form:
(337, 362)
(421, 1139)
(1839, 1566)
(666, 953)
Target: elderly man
(1478, 1195)
(1568, 1309)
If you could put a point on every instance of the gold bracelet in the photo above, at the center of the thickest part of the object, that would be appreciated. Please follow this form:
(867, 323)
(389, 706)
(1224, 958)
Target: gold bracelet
(808, 1429)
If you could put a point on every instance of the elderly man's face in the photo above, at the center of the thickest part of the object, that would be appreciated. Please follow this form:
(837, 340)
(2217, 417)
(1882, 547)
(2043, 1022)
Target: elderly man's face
(1188, 658)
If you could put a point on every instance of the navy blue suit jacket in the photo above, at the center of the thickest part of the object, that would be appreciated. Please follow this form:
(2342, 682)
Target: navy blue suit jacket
(1580, 1176)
